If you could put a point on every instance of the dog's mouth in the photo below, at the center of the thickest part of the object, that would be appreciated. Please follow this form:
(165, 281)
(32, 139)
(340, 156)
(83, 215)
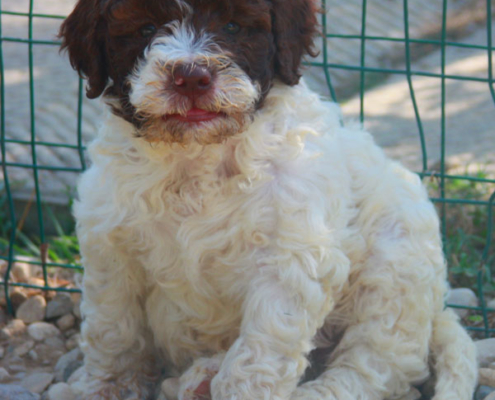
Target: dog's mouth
(194, 116)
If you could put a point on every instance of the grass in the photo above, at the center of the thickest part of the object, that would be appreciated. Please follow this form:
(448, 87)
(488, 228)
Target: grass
(62, 247)
(467, 233)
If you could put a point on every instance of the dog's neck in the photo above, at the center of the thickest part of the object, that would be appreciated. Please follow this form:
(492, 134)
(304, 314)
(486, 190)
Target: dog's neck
(245, 153)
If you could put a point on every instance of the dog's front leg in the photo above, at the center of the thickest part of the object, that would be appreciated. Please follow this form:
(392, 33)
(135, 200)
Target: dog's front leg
(283, 309)
(113, 335)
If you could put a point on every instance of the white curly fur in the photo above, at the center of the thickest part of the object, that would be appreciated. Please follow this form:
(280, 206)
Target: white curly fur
(296, 233)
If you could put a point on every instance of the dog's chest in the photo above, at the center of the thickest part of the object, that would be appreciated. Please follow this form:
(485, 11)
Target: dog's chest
(199, 266)
(202, 236)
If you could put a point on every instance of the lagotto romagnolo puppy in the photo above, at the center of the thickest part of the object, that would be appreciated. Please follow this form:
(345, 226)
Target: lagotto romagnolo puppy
(230, 223)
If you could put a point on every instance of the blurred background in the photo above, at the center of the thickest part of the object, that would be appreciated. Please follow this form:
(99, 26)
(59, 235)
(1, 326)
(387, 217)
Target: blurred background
(418, 74)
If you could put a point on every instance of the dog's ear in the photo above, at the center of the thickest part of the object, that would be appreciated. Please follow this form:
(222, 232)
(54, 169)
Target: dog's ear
(294, 27)
(82, 36)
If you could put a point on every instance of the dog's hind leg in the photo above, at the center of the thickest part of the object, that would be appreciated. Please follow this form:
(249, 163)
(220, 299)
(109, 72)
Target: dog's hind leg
(361, 373)
(394, 308)
(363, 368)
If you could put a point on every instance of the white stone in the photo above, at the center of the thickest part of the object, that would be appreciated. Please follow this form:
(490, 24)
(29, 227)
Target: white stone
(491, 304)
(22, 272)
(4, 375)
(33, 355)
(16, 364)
(60, 305)
(486, 352)
(76, 376)
(483, 392)
(23, 348)
(67, 364)
(76, 310)
(15, 392)
(40, 331)
(32, 310)
(462, 297)
(60, 391)
(73, 341)
(486, 377)
(491, 396)
(37, 382)
(66, 322)
(55, 343)
(170, 388)
(15, 327)
(18, 297)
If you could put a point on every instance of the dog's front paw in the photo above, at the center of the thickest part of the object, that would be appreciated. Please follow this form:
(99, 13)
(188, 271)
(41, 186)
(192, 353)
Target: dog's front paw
(126, 387)
(195, 383)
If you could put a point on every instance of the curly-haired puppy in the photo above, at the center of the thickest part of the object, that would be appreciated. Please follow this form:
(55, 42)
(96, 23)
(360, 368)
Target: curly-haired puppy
(230, 224)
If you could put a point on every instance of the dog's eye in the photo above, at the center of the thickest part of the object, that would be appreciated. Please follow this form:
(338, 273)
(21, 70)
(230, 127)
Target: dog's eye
(147, 30)
(232, 28)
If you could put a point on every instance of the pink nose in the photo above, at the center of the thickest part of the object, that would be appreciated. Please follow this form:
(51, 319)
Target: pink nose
(191, 81)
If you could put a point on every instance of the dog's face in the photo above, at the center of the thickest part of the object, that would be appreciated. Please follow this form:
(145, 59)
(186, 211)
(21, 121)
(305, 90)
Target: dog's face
(188, 70)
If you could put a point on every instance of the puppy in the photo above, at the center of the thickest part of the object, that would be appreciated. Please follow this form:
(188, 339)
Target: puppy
(230, 224)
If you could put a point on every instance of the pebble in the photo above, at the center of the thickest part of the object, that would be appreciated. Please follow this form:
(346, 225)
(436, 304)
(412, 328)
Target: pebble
(22, 272)
(17, 298)
(486, 377)
(491, 396)
(4, 375)
(32, 310)
(60, 391)
(40, 331)
(483, 392)
(33, 355)
(16, 364)
(76, 376)
(170, 388)
(48, 355)
(55, 343)
(37, 382)
(76, 310)
(486, 352)
(462, 297)
(24, 348)
(15, 392)
(2, 352)
(67, 364)
(71, 332)
(491, 304)
(73, 341)
(14, 328)
(60, 305)
(66, 322)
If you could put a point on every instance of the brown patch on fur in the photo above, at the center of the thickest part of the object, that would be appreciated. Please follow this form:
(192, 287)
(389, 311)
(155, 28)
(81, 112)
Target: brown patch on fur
(294, 27)
(82, 37)
(104, 42)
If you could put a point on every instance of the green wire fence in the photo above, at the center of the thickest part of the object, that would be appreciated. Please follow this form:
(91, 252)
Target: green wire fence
(482, 208)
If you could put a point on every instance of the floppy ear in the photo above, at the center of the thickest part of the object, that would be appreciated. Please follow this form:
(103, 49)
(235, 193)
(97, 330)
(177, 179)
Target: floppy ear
(294, 27)
(82, 34)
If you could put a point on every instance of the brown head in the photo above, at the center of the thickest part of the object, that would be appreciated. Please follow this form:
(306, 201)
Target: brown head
(183, 70)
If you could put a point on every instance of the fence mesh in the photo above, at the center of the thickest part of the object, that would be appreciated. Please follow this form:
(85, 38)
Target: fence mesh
(456, 195)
